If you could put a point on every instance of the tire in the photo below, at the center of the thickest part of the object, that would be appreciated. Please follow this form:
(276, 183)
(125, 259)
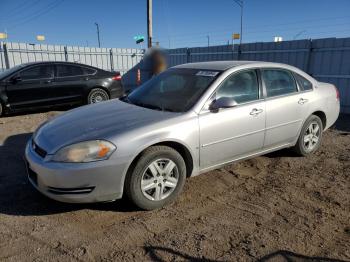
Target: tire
(307, 143)
(155, 193)
(97, 95)
(1, 109)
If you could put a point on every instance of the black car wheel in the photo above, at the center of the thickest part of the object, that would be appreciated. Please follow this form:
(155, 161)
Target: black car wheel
(97, 95)
(1, 109)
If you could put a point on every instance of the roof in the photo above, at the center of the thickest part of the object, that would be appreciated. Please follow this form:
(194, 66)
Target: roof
(55, 62)
(220, 65)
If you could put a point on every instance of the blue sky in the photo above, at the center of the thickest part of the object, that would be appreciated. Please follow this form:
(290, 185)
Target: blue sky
(177, 23)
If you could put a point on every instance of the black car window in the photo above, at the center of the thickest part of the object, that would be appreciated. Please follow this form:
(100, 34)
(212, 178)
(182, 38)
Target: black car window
(242, 87)
(69, 70)
(278, 82)
(303, 82)
(37, 72)
(89, 71)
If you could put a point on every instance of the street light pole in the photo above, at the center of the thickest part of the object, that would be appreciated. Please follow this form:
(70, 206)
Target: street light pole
(208, 39)
(149, 23)
(98, 34)
(240, 3)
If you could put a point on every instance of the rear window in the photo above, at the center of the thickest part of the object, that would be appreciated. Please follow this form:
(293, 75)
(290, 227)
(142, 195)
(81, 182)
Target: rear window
(69, 70)
(88, 71)
(303, 83)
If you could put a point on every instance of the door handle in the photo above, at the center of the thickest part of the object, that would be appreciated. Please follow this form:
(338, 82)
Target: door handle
(302, 101)
(256, 112)
(47, 81)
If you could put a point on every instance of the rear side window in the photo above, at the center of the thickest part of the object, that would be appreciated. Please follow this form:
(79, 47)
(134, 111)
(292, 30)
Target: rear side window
(88, 71)
(242, 87)
(303, 83)
(37, 72)
(278, 82)
(69, 70)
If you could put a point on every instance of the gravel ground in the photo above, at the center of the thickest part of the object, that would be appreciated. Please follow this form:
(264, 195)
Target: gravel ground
(277, 207)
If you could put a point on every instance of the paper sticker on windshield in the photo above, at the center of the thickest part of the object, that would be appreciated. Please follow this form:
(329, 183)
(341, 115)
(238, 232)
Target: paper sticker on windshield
(207, 73)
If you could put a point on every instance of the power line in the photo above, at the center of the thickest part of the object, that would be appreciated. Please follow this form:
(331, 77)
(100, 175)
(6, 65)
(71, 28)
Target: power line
(22, 6)
(39, 13)
(189, 35)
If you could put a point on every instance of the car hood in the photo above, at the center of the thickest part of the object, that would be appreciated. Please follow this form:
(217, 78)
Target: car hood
(99, 121)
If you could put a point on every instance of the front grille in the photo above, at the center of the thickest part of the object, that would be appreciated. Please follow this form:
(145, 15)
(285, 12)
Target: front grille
(66, 191)
(41, 152)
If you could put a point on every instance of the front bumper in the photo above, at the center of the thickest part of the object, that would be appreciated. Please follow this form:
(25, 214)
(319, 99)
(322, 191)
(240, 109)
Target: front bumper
(98, 181)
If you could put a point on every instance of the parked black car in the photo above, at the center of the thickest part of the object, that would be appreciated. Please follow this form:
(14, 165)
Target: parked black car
(47, 84)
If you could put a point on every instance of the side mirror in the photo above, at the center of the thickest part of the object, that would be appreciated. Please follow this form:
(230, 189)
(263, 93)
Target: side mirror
(222, 102)
(15, 79)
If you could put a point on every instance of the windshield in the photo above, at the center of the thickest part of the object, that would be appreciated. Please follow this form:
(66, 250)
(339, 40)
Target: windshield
(175, 90)
(8, 72)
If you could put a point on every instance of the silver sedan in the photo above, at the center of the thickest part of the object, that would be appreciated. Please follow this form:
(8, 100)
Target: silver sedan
(188, 120)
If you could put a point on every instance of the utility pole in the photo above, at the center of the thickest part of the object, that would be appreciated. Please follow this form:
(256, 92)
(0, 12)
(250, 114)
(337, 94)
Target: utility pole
(240, 3)
(149, 23)
(98, 34)
(208, 40)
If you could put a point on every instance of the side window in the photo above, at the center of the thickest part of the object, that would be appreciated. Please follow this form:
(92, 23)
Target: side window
(37, 72)
(88, 71)
(278, 82)
(303, 82)
(242, 87)
(68, 70)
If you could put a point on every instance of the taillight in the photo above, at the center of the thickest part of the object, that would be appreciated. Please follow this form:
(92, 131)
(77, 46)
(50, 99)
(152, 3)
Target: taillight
(337, 93)
(117, 77)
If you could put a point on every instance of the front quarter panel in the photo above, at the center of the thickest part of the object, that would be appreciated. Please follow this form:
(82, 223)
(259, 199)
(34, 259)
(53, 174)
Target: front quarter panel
(183, 130)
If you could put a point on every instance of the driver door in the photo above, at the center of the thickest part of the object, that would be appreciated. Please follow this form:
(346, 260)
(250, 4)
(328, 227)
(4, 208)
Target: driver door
(236, 132)
(32, 87)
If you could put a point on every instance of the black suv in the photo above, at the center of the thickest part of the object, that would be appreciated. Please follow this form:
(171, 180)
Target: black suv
(46, 84)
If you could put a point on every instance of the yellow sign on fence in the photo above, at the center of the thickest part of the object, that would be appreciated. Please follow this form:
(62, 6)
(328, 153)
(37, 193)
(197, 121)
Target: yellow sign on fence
(3, 35)
(236, 36)
(40, 37)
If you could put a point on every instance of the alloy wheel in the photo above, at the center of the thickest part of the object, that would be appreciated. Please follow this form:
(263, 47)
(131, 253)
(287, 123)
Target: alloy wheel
(98, 96)
(160, 179)
(312, 136)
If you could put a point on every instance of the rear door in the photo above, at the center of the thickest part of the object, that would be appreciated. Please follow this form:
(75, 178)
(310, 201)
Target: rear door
(284, 107)
(33, 87)
(70, 82)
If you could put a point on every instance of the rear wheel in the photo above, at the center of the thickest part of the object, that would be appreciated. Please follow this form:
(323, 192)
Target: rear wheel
(310, 136)
(97, 95)
(157, 179)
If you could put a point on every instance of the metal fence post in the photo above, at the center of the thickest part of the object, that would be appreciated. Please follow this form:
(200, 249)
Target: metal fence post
(6, 56)
(309, 58)
(188, 55)
(65, 53)
(111, 59)
(239, 52)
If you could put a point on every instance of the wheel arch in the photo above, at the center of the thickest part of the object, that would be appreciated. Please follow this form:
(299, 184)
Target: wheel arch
(322, 116)
(98, 87)
(179, 147)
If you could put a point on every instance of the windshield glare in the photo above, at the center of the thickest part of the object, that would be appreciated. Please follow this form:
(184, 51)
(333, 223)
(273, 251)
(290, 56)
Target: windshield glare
(175, 90)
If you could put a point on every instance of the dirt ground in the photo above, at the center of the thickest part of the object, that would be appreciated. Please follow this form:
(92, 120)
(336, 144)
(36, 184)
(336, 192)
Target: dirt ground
(277, 207)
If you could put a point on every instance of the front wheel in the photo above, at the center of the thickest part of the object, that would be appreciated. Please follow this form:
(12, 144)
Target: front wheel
(310, 136)
(157, 178)
(97, 95)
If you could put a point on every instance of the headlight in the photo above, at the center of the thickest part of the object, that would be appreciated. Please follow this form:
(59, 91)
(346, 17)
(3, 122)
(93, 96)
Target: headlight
(87, 151)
